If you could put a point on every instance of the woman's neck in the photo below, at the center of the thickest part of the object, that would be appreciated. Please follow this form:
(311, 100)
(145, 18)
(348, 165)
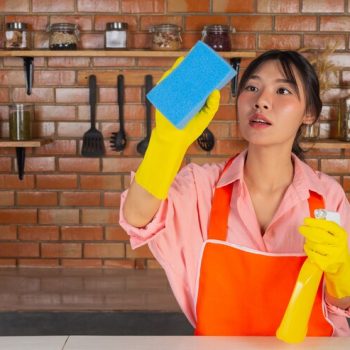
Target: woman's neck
(268, 169)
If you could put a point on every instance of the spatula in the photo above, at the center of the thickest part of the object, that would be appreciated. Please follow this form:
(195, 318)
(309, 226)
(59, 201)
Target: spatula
(118, 139)
(93, 145)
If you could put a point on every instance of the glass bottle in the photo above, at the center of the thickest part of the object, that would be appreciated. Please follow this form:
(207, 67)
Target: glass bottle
(116, 36)
(166, 37)
(217, 36)
(20, 122)
(63, 36)
(16, 36)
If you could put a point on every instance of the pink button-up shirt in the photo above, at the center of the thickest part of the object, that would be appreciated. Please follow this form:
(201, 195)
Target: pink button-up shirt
(178, 230)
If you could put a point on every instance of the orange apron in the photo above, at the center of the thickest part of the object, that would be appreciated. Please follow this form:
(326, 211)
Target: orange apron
(242, 291)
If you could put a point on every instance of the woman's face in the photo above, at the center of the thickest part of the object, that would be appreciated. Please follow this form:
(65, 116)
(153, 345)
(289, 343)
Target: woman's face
(270, 108)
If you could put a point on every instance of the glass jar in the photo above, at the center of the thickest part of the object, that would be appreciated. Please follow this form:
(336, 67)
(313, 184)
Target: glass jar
(16, 36)
(166, 37)
(116, 36)
(63, 36)
(217, 36)
(20, 122)
(345, 119)
(311, 131)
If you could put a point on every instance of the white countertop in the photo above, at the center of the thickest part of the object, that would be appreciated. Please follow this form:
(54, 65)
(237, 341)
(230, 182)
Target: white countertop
(166, 343)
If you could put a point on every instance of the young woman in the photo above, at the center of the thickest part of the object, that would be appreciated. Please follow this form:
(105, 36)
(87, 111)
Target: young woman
(232, 237)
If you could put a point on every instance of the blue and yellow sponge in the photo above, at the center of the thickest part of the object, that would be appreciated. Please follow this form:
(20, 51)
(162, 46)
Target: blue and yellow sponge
(184, 91)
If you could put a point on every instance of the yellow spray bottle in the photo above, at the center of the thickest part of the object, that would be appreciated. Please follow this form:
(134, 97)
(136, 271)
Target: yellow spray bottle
(294, 325)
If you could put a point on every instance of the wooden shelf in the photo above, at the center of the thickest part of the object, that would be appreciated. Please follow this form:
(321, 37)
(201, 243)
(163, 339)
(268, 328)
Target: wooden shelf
(31, 143)
(325, 144)
(111, 53)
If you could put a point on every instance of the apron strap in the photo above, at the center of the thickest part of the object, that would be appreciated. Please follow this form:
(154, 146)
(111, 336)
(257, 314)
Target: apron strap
(220, 210)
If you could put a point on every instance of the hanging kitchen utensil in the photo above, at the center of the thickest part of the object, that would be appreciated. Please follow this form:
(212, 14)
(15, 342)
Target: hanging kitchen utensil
(235, 63)
(93, 145)
(206, 140)
(143, 144)
(118, 139)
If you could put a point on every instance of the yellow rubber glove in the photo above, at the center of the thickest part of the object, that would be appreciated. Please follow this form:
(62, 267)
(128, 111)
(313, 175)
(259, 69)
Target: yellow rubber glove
(326, 246)
(168, 145)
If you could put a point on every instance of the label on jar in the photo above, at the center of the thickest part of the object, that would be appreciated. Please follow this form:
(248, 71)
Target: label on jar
(16, 39)
(115, 39)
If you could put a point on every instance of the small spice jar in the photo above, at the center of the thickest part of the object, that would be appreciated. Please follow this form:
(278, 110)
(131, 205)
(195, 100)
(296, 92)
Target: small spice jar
(63, 36)
(116, 36)
(217, 36)
(166, 37)
(16, 36)
(20, 122)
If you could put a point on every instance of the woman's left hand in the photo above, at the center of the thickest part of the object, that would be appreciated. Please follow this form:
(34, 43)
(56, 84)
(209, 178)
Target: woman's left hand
(326, 245)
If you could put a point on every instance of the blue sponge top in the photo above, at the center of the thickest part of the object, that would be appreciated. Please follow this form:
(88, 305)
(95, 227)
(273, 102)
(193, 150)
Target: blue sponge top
(183, 92)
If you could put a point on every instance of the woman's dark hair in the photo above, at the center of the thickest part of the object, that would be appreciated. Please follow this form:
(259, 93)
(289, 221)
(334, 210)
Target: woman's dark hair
(308, 76)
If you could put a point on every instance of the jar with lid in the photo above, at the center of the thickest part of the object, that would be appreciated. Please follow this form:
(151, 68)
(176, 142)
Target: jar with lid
(345, 119)
(218, 36)
(116, 36)
(20, 122)
(63, 36)
(166, 37)
(16, 36)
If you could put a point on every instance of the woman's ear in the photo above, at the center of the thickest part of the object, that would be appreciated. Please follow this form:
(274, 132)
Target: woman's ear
(309, 119)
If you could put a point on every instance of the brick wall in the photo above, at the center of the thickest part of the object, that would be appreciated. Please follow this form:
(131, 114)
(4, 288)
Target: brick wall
(65, 211)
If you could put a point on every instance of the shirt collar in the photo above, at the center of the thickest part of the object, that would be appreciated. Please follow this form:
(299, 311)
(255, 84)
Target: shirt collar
(305, 178)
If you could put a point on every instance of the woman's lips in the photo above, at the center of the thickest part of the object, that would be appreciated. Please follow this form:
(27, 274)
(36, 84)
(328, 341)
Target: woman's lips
(259, 121)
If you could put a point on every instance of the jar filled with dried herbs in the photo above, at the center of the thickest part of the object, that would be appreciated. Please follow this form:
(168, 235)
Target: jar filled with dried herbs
(166, 37)
(63, 36)
(20, 122)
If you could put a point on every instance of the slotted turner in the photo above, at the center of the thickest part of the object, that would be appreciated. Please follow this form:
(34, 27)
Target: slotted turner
(93, 145)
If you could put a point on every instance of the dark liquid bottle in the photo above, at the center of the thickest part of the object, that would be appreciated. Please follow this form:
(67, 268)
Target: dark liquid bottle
(217, 36)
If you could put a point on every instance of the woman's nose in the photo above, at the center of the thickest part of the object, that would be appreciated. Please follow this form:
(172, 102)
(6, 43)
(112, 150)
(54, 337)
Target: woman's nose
(263, 102)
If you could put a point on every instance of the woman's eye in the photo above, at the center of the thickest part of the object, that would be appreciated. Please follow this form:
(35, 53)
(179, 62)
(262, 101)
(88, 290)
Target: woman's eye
(251, 88)
(283, 91)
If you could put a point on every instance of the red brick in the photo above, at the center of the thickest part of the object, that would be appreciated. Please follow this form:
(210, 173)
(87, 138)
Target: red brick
(100, 216)
(142, 6)
(98, 6)
(277, 6)
(252, 23)
(335, 166)
(47, 78)
(188, 6)
(132, 95)
(8, 232)
(346, 183)
(38, 233)
(317, 41)
(113, 62)
(104, 250)
(81, 199)
(42, 164)
(71, 62)
(43, 129)
(53, 6)
(11, 78)
(58, 147)
(81, 263)
(8, 262)
(83, 22)
(334, 23)
(34, 199)
(120, 165)
(38, 262)
(295, 23)
(5, 164)
(66, 95)
(142, 252)
(14, 6)
(56, 181)
(82, 233)
(101, 20)
(72, 129)
(147, 21)
(116, 233)
(285, 42)
(54, 113)
(120, 263)
(12, 182)
(243, 41)
(7, 198)
(233, 6)
(16, 250)
(18, 216)
(4, 94)
(100, 182)
(153, 264)
(38, 95)
(92, 41)
(61, 250)
(78, 165)
(111, 199)
(327, 6)
(59, 216)
(197, 22)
